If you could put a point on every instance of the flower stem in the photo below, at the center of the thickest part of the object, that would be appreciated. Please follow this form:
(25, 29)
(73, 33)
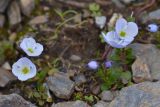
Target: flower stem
(106, 52)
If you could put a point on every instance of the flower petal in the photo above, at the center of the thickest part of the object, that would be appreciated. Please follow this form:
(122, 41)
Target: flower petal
(109, 36)
(112, 39)
(38, 49)
(132, 29)
(120, 24)
(27, 42)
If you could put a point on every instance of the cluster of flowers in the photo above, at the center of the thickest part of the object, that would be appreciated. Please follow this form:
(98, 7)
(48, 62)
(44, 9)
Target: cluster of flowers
(24, 69)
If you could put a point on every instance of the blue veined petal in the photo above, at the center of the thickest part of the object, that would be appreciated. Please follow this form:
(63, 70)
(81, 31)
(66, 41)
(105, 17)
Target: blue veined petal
(120, 25)
(132, 29)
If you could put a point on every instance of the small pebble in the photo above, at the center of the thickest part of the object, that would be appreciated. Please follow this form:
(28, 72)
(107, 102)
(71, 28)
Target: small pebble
(100, 21)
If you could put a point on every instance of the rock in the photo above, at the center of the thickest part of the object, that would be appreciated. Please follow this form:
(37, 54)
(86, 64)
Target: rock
(2, 20)
(14, 14)
(147, 62)
(101, 104)
(6, 66)
(71, 104)
(107, 96)
(140, 71)
(118, 3)
(61, 85)
(75, 58)
(27, 6)
(154, 15)
(3, 5)
(80, 79)
(5, 77)
(38, 20)
(127, 1)
(146, 94)
(95, 88)
(14, 100)
(100, 21)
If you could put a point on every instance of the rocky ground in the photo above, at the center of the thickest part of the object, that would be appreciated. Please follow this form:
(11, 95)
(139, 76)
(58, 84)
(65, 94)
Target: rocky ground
(71, 39)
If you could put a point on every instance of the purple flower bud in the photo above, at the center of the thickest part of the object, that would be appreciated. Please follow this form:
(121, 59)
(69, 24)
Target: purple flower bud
(108, 64)
(152, 27)
(93, 65)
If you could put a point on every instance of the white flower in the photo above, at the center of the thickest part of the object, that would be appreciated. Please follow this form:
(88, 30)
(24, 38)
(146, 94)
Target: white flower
(93, 65)
(100, 21)
(113, 40)
(30, 47)
(126, 30)
(24, 69)
(123, 35)
(152, 28)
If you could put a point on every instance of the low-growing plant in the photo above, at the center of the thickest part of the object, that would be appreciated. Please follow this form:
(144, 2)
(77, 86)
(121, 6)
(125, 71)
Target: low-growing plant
(95, 9)
(115, 72)
(38, 94)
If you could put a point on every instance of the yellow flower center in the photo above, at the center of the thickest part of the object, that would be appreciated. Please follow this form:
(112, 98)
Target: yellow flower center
(30, 50)
(25, 70)
(122, 34)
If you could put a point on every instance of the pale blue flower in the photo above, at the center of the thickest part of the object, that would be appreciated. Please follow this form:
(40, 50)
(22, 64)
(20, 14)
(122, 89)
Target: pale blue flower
(30, 47)
(24, 69)
(152, 28)
(126, 30)
(123, 35)
(115, 41)
(93, 65)
(100, 21)
(108, 64)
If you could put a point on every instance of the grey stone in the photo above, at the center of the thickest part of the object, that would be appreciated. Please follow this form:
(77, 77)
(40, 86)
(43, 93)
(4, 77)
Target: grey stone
(2, 20)
(101, 104)
(146, 94)
(95, 88)
(6, 66)
(148, 57)
(79, 79)
(75, 58)
(153, 15)
(5, 77)
(3, 5)
(61, 85)
(14, 14)
(107, 96)
(71, 104)
(27, 6)
(127, 1)
(140, 71)
(100, 21)
(38, 20)
(14, 100)
(118, 3)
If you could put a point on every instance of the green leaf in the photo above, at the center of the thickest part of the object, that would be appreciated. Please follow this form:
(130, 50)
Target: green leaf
(94, 7)
(89, 98)
(126, 75)
(36, 94)
(104, 87)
